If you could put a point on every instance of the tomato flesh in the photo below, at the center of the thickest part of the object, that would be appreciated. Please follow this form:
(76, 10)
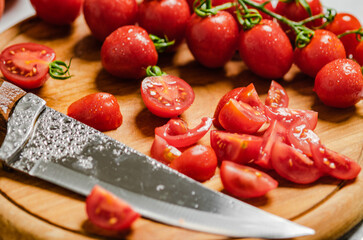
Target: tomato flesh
(162, 151)
(301, 137)
(276, 96)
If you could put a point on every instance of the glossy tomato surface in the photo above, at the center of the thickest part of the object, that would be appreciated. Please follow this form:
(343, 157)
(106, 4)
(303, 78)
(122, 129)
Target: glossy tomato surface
(358, 53)
(166, 96)
(162, 151)
(301, 137)
(127, 52)
(277, 96)
(107, 211)
(26, 64)
(98, 110)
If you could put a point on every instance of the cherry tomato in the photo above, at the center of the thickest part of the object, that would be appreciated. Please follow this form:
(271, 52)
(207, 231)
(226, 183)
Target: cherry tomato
(98, 110)
(162, 151)
(177, 133)
(323, 48)
(245, 182)
(198, 162)
(26, 64)
(276, 96)
(165, 18)
(239, 148)
(239, 117)
(2, 7)
(59, 12)
(127, 52)
(334, 164)
(107, 211)
(345, 22)
(105, 16)
(340, 83)
(358, 53)
(301, 137)
(212, 40)
(266, 50)
(166, 96)
(293, 165)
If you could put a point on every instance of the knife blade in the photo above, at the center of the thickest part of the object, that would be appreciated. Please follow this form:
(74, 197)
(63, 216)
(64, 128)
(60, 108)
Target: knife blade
(47, 144)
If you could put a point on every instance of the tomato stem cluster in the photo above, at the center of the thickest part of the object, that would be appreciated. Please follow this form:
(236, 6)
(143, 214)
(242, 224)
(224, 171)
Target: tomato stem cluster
(161, 44)
(204, 8)
(60, 70)
(358, 33)
(154, 71)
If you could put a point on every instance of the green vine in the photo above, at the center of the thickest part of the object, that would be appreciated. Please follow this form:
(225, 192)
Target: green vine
(154, 71)
(60, 70)
(161, 44)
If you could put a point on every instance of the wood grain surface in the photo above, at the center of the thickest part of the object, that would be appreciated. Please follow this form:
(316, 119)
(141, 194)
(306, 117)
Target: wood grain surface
(33, 209)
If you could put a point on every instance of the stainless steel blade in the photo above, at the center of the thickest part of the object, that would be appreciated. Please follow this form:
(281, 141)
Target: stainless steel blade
(68, 153)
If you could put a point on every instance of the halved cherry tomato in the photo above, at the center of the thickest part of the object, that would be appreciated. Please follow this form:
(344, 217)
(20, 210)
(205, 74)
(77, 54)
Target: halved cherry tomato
(162, 151)
(334, 164)
(26, 64)
(98, 110)
(277, 96)
(245, 182)
(301, 137)
(239, 148)
(107, 211)
(198, 162)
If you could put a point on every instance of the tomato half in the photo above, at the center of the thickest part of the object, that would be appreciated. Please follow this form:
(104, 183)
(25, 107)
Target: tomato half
(107, 211)
(277, 96)
(166, 96)
(26, 64)
(245, 182)
(162, 151)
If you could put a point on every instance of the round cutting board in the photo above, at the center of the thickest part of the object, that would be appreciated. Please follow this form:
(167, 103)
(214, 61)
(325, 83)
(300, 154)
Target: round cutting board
(34, 209)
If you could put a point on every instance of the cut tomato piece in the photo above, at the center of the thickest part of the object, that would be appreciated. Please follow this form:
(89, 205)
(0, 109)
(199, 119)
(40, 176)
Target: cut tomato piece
(276, 96)
(162, 151)
(250, 96)
(245, 182)
(301, 137)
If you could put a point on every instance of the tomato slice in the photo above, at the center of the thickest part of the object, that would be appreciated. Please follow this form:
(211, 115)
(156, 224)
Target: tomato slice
(177, 133)
(26, 64)
(166, 96)
(277, 96)
(300, 137)
(250, 96)
(239, 117)
(293, 165)
(245, 182)
(333, 163)
(239, 148)
(107, 211)
(162, 151)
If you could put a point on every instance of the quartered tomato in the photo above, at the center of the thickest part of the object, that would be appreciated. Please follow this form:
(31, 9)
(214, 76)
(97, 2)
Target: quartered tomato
(250, 96)
(166, 96)
(26, 64)
(276, 96)
(245, 182)
(107, 211)
(162, 151)
(301, 138)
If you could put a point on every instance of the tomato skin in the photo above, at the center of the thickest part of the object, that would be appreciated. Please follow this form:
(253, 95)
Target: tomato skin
(162, 151)
(58, 12)
(107, 211)
(277, 96)
(300, 137)
(198, 162)
(245, 182)
(105, 16)
(98, 110)
(2, 7)
(18, 55)
(323, 48)
(127, 52)
(358, 53)
(266, 50)
(212, 40)
(166, 96)
(340, 83)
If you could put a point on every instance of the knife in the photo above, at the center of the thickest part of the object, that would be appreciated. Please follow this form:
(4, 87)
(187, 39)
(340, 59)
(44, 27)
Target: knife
(49, 145)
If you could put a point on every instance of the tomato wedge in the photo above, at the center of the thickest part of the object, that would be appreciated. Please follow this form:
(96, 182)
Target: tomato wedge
(250, 96)
(107, 211)
(162, 151)
(277, 96)
(245, 182)
(300, 137)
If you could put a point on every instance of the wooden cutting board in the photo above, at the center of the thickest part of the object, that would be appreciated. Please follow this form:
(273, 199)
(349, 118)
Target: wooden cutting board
(33, 209)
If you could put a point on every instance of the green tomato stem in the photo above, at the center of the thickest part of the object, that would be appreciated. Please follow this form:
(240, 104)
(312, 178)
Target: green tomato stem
(204, 8)
(161, 44)
(358, 33)
(60, 70)
(154, 71)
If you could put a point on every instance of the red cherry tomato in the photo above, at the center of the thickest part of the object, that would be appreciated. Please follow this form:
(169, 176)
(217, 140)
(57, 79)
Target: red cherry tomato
(276, 96)
(293, 165)
(26, 64)
(107, 211)
(98, 110)
(344, 22)
(162, 151)
(105, 16)
(238, 148)
(2, 6)
(198, 162)
(59, 12)
(334, 164)
(301, 137)
(358, 53)
(245, 182)
(165, 18)
(166, 96)
(213, 39)
(340, 83)
(323, 48)
(127, 52)
(266, 50)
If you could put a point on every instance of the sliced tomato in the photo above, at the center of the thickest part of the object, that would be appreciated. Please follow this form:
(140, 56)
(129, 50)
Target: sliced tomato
(250, 96)
(239, 148)
(333, 163)
(239, 117)
(277, 96)
(107, 211)
(162, 151)
(177, 133)
(300, 137)
(245, 182)
(293, 165)
(26, 64)
(166, 96)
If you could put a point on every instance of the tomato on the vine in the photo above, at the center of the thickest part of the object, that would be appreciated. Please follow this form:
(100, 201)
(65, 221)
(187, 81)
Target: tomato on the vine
(358, 54)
